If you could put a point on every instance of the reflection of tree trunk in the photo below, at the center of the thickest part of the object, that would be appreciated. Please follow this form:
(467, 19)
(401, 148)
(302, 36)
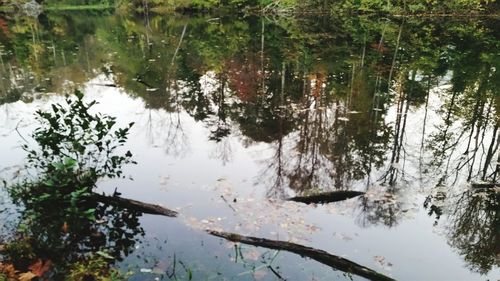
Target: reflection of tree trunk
(382, 36)
(277, 189)
(376, 100)
(179, 45)
(35, 52)
(399, 132)
(497, 169)
(448, 123)
(172, 62)
(491, 150)
(403, 129)
(475, 117)
(364, 52)
(262, 70)
(395, 55)
(477, 141)
(282, 93)
(63, 57)
(54, 53)
(476, 124)
(1, 61)
(87, 57)
(425, 123)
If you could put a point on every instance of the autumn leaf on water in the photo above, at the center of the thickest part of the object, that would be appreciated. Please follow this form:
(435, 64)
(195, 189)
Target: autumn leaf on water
(382, 262)
(27, 276)
(65, 227)
(253, 255)
(260, 274)
(39, 268)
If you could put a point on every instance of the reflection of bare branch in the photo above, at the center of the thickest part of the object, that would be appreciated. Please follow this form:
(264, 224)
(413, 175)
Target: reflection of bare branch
(168, 130)
(392, 173)
(223, 151)
(179, 45)
(476, 135)
(384, 208)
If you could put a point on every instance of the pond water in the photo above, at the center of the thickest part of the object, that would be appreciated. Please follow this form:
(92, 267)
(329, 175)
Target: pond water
(233, 115)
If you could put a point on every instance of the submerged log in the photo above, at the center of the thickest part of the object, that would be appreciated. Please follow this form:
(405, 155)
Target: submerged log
(321, 256)
(484, 185)
(135, 205)
(327, 197)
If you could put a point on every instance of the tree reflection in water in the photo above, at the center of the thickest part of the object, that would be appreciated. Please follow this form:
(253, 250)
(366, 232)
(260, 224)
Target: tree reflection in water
(473, 227)
(387, 107)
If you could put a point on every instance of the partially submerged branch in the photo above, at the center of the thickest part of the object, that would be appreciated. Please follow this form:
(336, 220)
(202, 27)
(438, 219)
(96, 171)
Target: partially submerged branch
(135, 205)
(484, 185)
(321, 256)
(327, 197)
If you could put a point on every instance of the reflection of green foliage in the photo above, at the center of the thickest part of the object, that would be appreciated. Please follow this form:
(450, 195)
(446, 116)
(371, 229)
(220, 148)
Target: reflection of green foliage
(475, 229)
(162, 60)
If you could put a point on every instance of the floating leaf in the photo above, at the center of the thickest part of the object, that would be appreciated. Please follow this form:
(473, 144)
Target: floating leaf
(27, 276)
(39, 268)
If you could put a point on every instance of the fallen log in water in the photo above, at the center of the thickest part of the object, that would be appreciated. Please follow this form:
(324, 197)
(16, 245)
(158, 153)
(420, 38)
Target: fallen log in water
(135, 205)
(484, 185)
(327, 197)
(321, 256)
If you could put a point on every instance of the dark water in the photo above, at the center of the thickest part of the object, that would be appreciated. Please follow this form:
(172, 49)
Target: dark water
(233, 115)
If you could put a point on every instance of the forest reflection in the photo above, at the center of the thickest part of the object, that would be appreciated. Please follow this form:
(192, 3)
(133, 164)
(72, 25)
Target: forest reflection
(383, 106)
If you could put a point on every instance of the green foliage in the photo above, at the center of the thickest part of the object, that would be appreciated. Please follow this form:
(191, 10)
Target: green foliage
(74, 149)
(59, 220)
(72, 139)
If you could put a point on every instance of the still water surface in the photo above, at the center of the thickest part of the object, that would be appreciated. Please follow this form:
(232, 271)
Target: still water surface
(234, 115)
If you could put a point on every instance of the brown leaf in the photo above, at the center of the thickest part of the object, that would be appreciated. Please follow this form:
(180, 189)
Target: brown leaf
(65, 227)
(39, 268)
(258, 275)
(8, 270)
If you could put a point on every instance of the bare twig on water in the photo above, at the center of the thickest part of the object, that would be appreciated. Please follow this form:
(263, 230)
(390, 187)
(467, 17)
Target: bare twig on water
(19, 133)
